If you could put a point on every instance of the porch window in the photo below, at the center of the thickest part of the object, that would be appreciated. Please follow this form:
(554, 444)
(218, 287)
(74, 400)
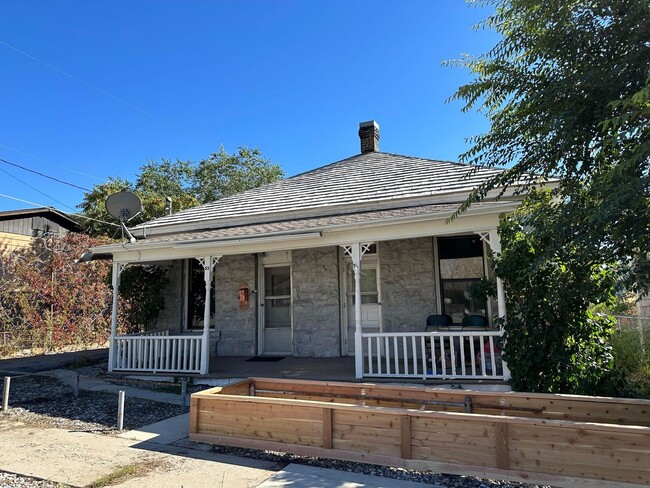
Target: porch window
(196, 296)
(462, 267)
(369, 289)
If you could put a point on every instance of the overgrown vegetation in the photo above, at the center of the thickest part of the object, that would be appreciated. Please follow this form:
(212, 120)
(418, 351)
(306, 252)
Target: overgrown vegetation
(142, 298)
(555, 343)
(48, 301)
(567, 94)
(630, 375)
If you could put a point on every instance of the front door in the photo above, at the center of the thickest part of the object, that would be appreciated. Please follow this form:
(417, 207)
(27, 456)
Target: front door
(370, 300)
(276, 310)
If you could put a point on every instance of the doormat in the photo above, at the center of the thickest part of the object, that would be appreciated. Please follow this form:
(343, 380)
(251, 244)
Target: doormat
(265, 359)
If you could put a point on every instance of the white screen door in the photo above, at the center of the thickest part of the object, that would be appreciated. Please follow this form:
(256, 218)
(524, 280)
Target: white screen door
(276, 310)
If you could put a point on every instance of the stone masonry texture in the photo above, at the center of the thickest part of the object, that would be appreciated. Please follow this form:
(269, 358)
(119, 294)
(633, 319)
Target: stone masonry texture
(316, 318)
(237, 323)
(408, 291)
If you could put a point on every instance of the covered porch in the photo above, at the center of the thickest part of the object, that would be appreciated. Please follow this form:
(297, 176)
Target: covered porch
(406, 350)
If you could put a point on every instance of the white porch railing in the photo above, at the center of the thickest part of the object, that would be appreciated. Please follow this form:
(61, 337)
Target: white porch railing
(444, 355)
(157, 353)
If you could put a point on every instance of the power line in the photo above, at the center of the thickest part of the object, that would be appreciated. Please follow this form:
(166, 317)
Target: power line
(35, 189)
(100, 90)
(44, 175)
(53, 208)
(53, 164)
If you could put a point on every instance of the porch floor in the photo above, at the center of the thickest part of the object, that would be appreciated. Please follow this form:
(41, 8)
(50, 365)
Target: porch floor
(319, 369)
(322, 369)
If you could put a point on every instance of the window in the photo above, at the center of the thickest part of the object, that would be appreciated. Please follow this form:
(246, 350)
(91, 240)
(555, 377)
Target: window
(461, 270)
(196, 296)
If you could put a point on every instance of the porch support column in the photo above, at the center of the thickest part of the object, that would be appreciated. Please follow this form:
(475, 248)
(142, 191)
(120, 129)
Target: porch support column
(356, 252)
(495, 245)
(356, 256)
(208, 263)
(117, 271)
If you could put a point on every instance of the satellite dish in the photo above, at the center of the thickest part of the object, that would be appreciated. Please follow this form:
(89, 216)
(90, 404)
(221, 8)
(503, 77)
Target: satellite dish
(123, 205)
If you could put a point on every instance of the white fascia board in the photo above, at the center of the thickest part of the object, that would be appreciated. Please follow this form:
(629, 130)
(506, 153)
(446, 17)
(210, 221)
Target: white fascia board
(480, 220)
(377, 205)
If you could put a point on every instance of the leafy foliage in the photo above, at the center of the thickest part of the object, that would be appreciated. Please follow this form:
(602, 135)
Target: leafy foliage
(555, 343)
(567, 94)
(47, 300)
(630, 375)
(188, 184)
(141, 295)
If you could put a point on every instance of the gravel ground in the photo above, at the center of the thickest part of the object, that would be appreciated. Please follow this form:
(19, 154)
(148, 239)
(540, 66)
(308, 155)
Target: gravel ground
(19, 481)
(45, 401)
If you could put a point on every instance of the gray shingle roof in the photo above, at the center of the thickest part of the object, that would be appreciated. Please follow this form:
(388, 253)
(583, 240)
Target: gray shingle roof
(366, 181)
(314, 224)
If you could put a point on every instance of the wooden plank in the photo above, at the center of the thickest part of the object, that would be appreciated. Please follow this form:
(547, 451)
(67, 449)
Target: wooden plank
(368, 446)
(288, 411)
(194, 411)
(564, 454)
(470, 426)
(361, 457)
(347, 431)
(464, 468)
(405, 437)
(327, 428)
(527, 433)
(262, 424)
(576, 436)
(423, 440)
(454, 454)
(270, 435)
(502, 455)
(584, 468)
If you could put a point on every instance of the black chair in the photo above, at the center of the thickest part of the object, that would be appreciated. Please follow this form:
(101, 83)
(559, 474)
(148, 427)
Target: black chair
(475, 321)
(438, 321)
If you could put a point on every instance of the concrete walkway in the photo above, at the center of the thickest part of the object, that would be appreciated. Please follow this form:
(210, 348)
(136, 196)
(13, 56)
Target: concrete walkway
(162, 452)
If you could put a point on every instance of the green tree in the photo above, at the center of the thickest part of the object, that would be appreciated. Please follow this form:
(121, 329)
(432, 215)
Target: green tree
(555, 343)
(187, 183)
(566, 91)
(222, 174)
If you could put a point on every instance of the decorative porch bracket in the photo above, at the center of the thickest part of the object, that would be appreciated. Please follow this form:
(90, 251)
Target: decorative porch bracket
(356, 252)
(494, 241)
(118, 268)
(208, 263)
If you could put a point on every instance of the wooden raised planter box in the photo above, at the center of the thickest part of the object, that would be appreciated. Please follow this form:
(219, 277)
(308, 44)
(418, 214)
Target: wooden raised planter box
(554, 439)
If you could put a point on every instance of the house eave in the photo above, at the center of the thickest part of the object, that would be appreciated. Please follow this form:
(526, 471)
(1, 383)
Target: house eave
(309, 237)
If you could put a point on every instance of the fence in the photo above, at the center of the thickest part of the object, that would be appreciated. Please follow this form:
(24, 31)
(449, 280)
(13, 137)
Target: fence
(444, 355)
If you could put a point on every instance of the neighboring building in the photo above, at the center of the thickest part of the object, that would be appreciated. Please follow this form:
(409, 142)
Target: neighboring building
(20, 228)
(347, 259)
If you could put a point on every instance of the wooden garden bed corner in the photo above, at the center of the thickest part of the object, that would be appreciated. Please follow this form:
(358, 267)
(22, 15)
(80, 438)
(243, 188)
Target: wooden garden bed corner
(561, 440)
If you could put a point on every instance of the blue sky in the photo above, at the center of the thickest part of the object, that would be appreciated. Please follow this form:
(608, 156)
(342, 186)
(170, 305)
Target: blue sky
(293, 78)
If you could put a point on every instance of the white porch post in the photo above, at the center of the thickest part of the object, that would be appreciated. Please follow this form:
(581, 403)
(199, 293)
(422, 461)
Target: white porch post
(117, 271)
(356, 256)
(356, 251)
(495, 245)
(208, 263)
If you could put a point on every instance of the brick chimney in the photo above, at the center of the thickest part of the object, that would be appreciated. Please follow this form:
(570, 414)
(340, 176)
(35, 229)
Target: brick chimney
(369, 135)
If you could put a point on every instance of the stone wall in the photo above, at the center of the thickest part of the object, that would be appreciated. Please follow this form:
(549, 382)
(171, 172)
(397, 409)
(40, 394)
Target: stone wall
(238, 324)
(172, 316)
(316, 321)
(408, 291)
